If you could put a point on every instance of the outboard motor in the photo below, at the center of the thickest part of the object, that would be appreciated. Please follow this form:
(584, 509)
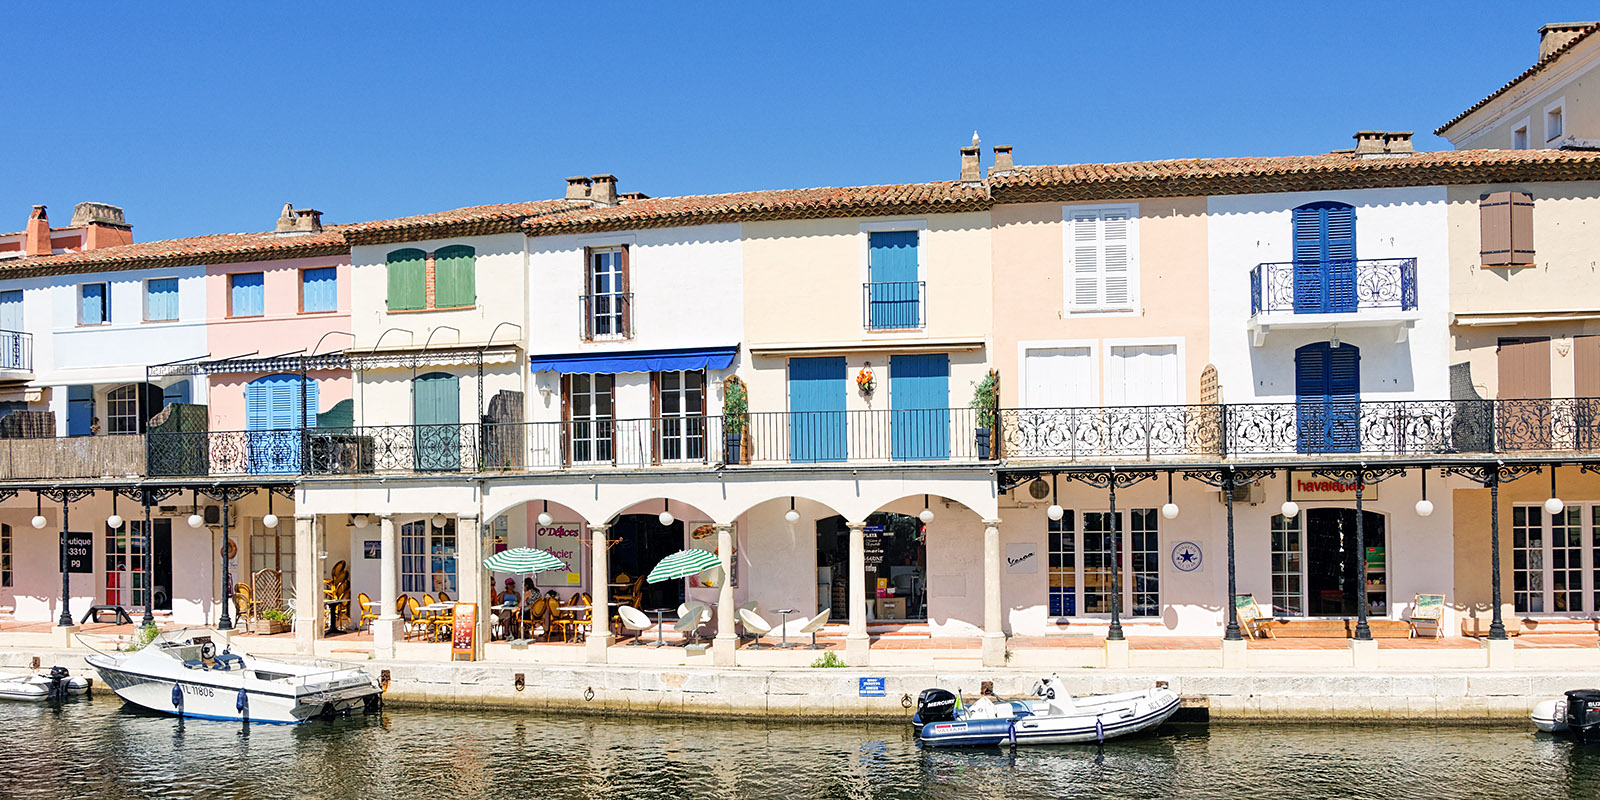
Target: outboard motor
(934, 705)
(58, 682)
(1583, 713)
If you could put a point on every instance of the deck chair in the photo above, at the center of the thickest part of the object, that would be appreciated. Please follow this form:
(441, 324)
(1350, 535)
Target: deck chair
(1251, 619)
(1427, 609)
(815, 624)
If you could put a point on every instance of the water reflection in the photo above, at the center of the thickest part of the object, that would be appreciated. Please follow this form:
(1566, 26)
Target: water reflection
(98, 748)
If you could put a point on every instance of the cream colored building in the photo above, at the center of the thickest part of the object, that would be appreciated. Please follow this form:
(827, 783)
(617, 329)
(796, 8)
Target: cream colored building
(1553, 104)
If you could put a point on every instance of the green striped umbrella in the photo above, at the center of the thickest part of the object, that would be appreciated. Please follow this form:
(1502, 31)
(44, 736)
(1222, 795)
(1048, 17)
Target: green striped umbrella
(523, 560)
(682, 564)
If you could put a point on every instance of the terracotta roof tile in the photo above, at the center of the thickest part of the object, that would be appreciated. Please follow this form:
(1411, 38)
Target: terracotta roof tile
(1538, 67)
(216, 248)
(470, 221)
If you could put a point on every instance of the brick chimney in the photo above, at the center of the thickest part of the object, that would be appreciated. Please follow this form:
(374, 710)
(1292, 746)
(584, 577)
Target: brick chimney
(1002, 160)
(605, 190)
(1369, 143)
(1556, 35)
(970, 172)
(299, 220)
(103, 225)
(1398, 142)
(578, 188)
(37, 238)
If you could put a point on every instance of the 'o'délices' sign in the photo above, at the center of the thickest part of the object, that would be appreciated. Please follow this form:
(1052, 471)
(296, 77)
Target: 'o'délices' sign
(1316, 487)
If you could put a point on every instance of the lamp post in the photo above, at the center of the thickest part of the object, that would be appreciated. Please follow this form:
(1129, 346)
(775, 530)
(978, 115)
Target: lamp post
(147, 496)
(226, 494)
(65, 495)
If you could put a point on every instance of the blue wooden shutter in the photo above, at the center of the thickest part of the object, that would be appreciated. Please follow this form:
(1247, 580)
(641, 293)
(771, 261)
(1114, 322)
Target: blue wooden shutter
(80, 409)
(817, 391)
(93, 309)
(176, 393)
(1328, 398)
(161, 299)
(319, 289)
(247, 295)
(892, 271)
(11, 310)
(273, 415)
(1340, 227)
(408, 279)
(1324, 258)
(453, 285)
(919, 393)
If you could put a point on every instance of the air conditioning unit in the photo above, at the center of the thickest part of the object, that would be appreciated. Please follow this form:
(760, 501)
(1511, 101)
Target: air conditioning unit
(1253, 493)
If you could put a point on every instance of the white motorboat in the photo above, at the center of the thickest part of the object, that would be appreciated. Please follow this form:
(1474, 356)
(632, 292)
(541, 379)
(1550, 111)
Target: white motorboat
(43, 685)
(1055, 718)
(182, 673)
(1575, 714)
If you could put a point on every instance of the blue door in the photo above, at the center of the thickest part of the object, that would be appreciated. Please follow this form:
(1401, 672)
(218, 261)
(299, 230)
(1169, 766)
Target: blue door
(436, 410)
(272, 412)
(893, 294)
(816, 409)
(1327, 389)
(80, 410)
(919, 393)
(1324, 258)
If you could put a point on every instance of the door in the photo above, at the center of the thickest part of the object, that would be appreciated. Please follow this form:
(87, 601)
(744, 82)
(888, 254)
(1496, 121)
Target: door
(1324, 258)
(680, 406)
(1333, 564)
(893, 289)
(816, 409)
(1586, 387)
(160, 560)
(273, 420)
(80, 410)
(11, 310)
(919, 394)
(436, 412)
(1327, 388)
(1522, 415)
(1143, 375)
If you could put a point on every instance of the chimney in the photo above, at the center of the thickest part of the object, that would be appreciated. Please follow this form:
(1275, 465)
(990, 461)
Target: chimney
(1369, 142)
(578, 188)
(1556, 35)
(605, 190)
(1398, 142)
(299, 220)
(970, 173)
(38, 233)
(103, 225)
(1002, 160)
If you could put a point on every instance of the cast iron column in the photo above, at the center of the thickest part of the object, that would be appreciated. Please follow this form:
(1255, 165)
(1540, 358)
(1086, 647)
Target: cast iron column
(66, 586)
(1232, 634)
(1363, 633)
(149, 584)
(226, 623)
(1497, 627)
(1115, 632)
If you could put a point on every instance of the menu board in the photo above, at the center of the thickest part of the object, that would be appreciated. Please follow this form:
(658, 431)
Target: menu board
(466, 626)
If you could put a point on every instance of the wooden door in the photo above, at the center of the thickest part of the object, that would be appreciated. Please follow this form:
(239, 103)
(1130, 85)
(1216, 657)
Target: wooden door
(1522, 415)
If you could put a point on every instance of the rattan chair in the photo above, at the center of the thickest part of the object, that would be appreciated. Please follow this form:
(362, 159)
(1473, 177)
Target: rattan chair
(369, 612)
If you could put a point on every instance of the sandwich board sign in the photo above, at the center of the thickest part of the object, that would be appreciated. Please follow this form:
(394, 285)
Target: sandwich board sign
(462, 632)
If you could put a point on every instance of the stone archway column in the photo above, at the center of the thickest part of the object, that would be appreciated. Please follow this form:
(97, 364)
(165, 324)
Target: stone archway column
(856, 643)
(994, 635)
(308, 541)
(388, 628)
(599, 575)
(725, 648)
(470, 577)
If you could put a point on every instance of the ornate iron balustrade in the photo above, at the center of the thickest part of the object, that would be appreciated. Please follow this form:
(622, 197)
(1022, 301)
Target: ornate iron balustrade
(16, 351)
(606, 316)
(1335, 286)
(894, 305)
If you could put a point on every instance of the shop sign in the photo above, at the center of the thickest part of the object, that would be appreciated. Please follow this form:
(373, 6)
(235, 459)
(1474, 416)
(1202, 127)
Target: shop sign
(560, 540)
(78, 552)
(1186, 556)
(1022, 558)
(462, 631)
(1316, 487)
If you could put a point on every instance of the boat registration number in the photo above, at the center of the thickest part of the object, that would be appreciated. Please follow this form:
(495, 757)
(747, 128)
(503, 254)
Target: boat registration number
(198, 691)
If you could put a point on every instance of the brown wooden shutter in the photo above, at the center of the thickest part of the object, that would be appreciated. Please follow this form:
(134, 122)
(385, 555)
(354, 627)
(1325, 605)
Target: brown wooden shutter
(655, 418)
(625, 287)
(1524, 368)
(1521, 227)
(704, 429)
(585, 311)
(566, 419)
(1586, 366)
(1494, 225)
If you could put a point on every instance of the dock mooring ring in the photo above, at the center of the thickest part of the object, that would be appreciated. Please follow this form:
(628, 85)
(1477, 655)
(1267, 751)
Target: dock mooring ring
(588, 692)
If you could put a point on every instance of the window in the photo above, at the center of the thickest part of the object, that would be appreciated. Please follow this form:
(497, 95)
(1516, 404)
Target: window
(1102, 255)
(160, 299)
(1097, 561)
(246, 295)
(1519, 137)
(1555, 561)
(428, 557)
(680, 406)
(1144, 555)
(1505, 228)
(589, 411)
(125, 573)
(94, 304)
(1141, 571)
(1143, 375)
(1288, 590)
(1063, 566)
(273, 548)
(11, 310)
(1527, 559)
(129, 408)
(319, 290)
(894, 296)
(606, 301)
(443, 279)
(5, 555)
(1553, 127)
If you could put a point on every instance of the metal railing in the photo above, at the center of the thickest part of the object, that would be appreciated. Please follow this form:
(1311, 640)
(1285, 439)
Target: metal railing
(16, 351)
(894, 305)
(606, 316)
(1333, 286)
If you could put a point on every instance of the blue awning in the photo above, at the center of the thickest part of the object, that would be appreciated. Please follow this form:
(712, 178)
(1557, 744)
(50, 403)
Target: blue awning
(638, 360)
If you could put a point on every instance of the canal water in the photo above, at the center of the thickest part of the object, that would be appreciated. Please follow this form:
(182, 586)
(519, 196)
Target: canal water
(96, 748)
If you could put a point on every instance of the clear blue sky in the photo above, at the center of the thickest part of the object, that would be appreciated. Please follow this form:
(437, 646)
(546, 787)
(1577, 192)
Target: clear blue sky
(199, 118)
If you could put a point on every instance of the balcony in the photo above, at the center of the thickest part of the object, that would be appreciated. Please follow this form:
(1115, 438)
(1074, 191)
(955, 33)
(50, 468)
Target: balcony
(16, 355)
(1364, 292)
(606, 316)
(894, 306)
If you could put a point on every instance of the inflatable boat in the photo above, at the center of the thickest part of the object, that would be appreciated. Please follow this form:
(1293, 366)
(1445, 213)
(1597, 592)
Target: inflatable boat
(43, 685)
(1055, 718)
(1575, 714)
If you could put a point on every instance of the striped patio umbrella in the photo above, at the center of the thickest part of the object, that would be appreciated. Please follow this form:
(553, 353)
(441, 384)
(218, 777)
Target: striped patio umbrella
(522, 561)
(682, 564)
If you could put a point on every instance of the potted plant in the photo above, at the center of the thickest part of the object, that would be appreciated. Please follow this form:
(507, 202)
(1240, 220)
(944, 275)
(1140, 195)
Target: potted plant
(273, 620)
(986, 400)
(735, 419)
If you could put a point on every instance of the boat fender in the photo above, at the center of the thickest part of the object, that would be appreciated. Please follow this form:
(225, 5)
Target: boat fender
(177, 698)
(1099, 730)
(241, 704)
(1011, 733)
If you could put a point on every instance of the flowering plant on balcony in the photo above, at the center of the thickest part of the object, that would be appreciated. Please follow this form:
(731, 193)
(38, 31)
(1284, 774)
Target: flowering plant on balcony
(864, 380)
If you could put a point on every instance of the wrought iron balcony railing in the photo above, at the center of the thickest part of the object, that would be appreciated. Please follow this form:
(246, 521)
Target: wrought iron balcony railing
(1333, 286)
(895, 305)
(16, 351)
(605, 316)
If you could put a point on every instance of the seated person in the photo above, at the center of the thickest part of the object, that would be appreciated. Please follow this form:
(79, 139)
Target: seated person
(508, 616)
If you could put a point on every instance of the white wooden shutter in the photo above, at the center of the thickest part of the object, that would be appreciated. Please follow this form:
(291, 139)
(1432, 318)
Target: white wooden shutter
(1059, 378)
(1145, 375)
(1086, 278)
(1115, 258)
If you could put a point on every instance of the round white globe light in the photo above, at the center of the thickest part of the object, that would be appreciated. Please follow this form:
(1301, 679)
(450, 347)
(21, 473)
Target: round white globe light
(926, 515)
(791, 515)
(196, 521)
(545, 518)
(360, 520)
(666, 518)
(1424, 508)
(115, 521)
(1290, 509)
(1170, 511)
(270, 520)
(1554, 505)
(1055, 513)
(439, 520)
(38, 522)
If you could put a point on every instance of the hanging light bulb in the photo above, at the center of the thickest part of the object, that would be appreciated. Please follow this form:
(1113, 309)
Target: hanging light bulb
(544, 516)
(1554, 505)
(927, 513)
(114, 521)
(196, 521)
(1290, 509)
(666, 513)
(271, 519)
(38, 512)
(1055, 513)
(38, 521)
(1170, 510)
(792, 516)
(1424, 506)
(360, 520)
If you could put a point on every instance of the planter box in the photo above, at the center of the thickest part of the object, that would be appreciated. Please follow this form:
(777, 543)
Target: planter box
(268, 627)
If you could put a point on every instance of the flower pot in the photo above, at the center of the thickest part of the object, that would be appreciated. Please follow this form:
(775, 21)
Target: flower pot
(268, 627)
(732, 447)
(983, 444)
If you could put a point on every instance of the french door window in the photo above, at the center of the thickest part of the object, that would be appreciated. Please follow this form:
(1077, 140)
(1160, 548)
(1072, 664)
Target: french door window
(1316, 569)
(592, 414)
(272, 548)
(1082, 585)
(428, 557)
(1288, 570)
(605, 294)
(1555, 562)
(125, 573)
(683, 420)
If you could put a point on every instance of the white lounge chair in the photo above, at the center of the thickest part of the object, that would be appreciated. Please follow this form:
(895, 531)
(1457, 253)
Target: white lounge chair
(691, 616)
(815, 624)
(634, 620)
(755, 625)
(739, 623)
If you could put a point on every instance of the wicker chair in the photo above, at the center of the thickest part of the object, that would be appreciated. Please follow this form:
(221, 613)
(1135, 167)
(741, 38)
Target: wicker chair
(369, 612)
(244, 603)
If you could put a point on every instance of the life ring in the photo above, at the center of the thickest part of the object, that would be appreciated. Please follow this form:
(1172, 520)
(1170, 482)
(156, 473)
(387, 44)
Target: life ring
(229, 550)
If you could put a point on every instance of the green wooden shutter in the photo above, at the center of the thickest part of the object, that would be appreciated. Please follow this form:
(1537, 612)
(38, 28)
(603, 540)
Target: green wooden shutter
(408, 279)
(453, 277)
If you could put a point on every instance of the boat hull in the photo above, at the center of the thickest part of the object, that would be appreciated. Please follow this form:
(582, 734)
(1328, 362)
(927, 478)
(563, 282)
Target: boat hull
(1089, 725)
(222, 700)
(37, 687)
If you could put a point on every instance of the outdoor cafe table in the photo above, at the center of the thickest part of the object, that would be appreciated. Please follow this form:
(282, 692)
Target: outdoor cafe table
(658, 612)
(332, 605)
(502, 608)
(783, 624)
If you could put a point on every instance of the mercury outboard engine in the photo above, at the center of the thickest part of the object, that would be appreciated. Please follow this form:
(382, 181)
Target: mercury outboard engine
(1583, 713)
(934, 705)
(58, 682)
